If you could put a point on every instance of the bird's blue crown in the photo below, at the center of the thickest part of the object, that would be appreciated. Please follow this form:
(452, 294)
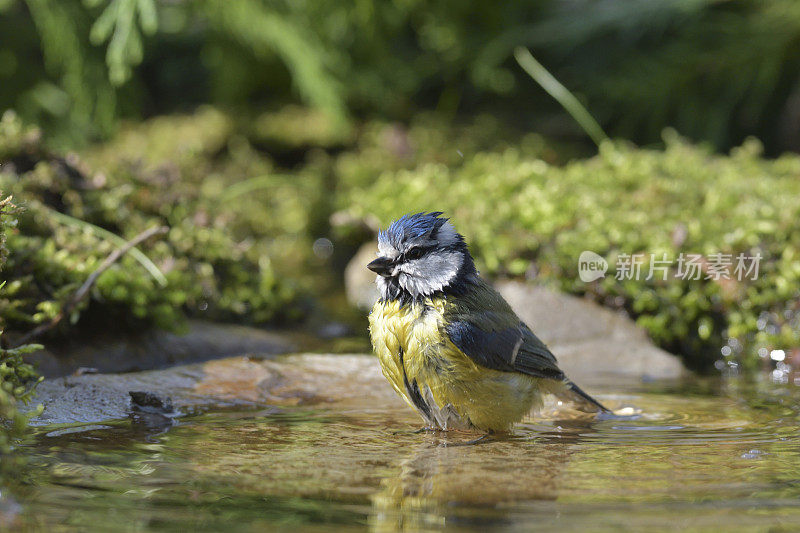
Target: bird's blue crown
(410, 227)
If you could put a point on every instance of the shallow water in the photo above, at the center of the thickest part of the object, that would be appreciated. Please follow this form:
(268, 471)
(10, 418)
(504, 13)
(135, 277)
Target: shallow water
(715, 455)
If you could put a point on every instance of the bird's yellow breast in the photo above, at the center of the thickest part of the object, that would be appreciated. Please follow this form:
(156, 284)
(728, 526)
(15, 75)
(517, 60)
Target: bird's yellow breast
(424, 366)
(405, 336)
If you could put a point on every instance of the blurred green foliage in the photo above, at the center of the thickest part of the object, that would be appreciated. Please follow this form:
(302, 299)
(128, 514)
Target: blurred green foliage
(523, 216)
(715, 70)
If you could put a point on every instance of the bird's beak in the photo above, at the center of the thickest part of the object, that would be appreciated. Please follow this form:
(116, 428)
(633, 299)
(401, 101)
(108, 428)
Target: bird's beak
(381, 266)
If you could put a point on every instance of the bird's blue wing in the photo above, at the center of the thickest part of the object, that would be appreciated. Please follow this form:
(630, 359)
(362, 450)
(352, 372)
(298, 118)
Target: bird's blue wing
(483, 326)
(509, 349)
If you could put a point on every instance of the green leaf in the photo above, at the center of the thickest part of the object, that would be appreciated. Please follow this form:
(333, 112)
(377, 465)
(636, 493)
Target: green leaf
(562, 95)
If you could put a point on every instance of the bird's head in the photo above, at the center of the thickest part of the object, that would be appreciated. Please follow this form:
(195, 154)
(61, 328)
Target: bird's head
(419, 255)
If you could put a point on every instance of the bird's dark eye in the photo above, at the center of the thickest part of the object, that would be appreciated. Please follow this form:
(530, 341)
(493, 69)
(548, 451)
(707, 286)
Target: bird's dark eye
(414, 253)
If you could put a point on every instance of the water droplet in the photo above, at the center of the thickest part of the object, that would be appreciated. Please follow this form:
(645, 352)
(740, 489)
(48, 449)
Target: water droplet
(777, 355)
(323, 248)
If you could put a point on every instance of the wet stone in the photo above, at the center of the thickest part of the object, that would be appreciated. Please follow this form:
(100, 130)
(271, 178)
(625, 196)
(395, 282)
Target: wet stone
(304, 379)
(150, 402)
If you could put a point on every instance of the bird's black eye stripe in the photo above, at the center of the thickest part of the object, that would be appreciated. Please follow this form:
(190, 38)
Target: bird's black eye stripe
(414, 253)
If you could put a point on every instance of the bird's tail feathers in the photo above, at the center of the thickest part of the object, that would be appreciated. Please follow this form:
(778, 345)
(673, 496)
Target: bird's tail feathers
(585, 397)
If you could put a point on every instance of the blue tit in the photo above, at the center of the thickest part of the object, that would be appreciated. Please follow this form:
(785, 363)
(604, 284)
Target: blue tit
(448, 343)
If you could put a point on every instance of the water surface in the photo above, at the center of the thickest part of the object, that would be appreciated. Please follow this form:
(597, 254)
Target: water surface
(715, 455)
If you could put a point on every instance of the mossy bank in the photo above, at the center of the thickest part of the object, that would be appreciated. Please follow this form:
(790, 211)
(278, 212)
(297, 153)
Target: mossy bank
(261, 226)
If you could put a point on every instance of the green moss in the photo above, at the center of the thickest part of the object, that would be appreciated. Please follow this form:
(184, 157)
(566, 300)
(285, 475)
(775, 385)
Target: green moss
(295, 127)
(216, 259)
(241, 226)
(16, 376)
(522, 215)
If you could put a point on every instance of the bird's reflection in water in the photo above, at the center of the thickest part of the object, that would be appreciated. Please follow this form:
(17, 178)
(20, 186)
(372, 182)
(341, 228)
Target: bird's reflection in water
(445, 477)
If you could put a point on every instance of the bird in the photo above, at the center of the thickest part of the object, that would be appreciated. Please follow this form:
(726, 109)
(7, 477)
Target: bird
(448, 342)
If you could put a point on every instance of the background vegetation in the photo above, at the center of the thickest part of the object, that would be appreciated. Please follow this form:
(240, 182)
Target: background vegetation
(273, 137)
(716, 70)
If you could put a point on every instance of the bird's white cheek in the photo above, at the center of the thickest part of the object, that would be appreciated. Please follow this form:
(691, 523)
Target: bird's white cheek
(445, 268)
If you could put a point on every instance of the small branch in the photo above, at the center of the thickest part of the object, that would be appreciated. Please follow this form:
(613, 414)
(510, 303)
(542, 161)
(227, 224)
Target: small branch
(83, 290)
